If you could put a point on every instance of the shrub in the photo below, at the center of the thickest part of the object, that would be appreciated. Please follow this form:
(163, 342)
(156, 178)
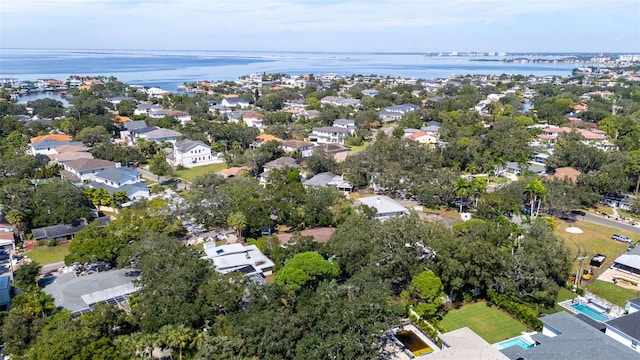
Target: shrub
(522, 312)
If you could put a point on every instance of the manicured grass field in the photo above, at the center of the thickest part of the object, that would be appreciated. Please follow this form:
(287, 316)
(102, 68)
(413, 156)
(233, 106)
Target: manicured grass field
(490, 323)
(44, 254)
(612, 292)
(563, 294)
(190, 174)
(365, 144)
(595, 239)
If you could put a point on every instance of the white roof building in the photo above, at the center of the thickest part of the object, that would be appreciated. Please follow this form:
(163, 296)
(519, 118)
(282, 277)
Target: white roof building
(386, 208)
(237, 257)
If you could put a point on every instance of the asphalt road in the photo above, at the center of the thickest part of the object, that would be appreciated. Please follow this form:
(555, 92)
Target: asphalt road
(594, 219)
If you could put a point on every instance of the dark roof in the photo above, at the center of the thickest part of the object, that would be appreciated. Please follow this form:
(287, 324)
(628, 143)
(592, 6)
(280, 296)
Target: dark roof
(576, 340)
(332, 129)
(596, 324)
(57, 231)
(281, 162)
(135, 125)
(331, 148)
(48, 143)
(628, 325)
(64, 230)
(635, 301)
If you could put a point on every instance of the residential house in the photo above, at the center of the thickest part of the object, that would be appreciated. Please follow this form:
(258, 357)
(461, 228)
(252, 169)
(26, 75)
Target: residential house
(396, 112)
(129, 127)
(85, 169)
(625, 330)
(370, 92)
(121, 179)
(190, 153)
(629, 262)
(181, 116)
(338, 151)
(329, 179)
(69, 156)
(565, 336)
(154, 133)
(146, 109)
(118, 99)
(47, 146)
(633, 305)
(264, 138)
(422, 137)
(248, 260)
(347, 124)
(329, 135)
(253, 119)
(291, 146)
(234, 171)
(236, 115)
(597, 138)
(64, 231)
(564, 173)
(79, 294)
(278, 164)
(386, 208)
(234, 102)
(339, 101)
(464, 344)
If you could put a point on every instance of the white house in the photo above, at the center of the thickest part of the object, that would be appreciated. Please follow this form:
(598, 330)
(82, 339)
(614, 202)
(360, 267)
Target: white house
(237, 257)
(154, 133)
(189, 153)
(385, 207)
(145, 109)
(290, 146)
(253, 119)
(396, 112)
(625, 330)
(329, 135)
(234, 102)
(48, 146)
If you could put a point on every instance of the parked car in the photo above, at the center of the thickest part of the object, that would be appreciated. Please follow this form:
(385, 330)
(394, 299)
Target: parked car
(622, 238)
(578, 212)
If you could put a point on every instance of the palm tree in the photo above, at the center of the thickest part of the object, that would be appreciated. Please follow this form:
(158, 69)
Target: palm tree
(463, 189)
(536, 193)
(479, 187)
(177, 336)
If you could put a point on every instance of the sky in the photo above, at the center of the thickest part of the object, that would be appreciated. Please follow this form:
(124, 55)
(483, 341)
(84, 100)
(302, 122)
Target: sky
(324, 25)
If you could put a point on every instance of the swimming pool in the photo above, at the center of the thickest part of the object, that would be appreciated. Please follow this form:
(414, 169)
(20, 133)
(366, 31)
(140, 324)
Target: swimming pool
(519, 341)
(583, 309)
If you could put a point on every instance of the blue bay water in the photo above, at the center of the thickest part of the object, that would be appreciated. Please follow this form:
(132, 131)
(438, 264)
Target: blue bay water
(167, 70)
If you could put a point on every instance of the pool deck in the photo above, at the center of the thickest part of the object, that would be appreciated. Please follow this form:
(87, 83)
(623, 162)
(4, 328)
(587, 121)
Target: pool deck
(604, 307)
(395, 350)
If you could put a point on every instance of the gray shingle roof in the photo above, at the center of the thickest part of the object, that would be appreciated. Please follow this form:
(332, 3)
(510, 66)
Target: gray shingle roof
(186, 145)
(76, 293)
(577, 340)
(118, 175)
(64, 230)
(89, 164)
(628, 324)
(281, 162)
(135, 125)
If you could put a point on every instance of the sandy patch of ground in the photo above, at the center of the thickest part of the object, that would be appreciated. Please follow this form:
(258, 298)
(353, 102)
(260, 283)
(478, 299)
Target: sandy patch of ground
(574, 230)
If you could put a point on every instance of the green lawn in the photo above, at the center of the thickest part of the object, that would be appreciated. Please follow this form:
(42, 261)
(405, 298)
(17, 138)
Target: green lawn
(490, 323)
(612, 292)
(44, 254)
(190, 174)
(594, 239)
(365, 144)
(563, 294)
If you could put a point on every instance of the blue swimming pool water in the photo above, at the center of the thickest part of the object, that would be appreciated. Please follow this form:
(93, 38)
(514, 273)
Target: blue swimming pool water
(513, 342)
(589, 312)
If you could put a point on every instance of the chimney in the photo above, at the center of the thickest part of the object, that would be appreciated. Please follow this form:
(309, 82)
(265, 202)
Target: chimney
(379, 200)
